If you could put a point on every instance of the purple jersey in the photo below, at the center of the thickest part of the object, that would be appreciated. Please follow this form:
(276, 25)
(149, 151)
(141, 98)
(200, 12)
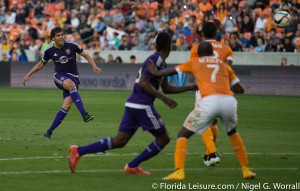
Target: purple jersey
(65, 58)
(139, 97)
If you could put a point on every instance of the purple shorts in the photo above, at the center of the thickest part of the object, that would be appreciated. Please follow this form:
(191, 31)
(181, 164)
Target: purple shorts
(148, 119)
(60, 78)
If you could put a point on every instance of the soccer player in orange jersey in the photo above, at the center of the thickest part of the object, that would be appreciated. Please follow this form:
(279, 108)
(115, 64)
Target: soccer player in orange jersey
(224, 53)
(215, 80)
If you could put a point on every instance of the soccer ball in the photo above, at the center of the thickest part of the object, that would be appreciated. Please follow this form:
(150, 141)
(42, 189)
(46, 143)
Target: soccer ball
(282, 19)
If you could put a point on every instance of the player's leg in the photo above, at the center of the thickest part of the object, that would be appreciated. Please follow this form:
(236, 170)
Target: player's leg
(229, 122)
(180, 154)
(108, 143)
(71, 85)
(127, 129)
(151, 121)
(59, 116)
(208, 138)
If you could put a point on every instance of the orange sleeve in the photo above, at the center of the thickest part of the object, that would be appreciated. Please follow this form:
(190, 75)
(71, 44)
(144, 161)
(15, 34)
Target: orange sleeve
(233, 79)
(230, 54)
(185, 67)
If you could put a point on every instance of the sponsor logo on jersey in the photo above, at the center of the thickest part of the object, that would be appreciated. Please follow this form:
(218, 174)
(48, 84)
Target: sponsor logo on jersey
(63, 59)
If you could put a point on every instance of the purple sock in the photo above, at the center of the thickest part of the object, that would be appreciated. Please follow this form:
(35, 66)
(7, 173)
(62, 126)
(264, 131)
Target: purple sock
(77, 100)
(58, 119)
(96, 147)
(152, 150)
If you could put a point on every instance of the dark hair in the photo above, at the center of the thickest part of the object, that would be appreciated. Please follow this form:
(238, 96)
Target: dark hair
(209, 30)
(55, 30)
(132, 57)
(205, 49)
(163, 41)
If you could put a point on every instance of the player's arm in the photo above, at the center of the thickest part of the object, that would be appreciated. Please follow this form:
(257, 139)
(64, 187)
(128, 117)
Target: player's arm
(145, 84)
(238, 88)
(168, 89)
(91, 61)
(165, 72)
(35, 69)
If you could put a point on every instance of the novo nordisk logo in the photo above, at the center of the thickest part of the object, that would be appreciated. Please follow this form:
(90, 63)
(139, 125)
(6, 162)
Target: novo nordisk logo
(179, 79)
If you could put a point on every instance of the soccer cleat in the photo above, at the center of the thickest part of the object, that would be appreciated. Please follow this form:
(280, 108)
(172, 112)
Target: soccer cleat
(88, 118)
(177, 175)
(74, 158)
(47, 135)
(211, 160)
(136, 170)
(247, 173)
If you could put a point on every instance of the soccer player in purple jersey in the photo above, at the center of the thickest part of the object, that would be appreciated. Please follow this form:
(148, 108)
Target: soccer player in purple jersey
(63, 54)
(140, 112)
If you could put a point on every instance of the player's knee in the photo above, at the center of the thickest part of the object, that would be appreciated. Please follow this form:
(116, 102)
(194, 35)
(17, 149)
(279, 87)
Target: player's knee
(231, 132)
(69, 85)
(163, 141)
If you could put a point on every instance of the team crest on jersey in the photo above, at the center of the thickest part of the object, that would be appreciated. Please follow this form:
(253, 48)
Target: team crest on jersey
(68, 51)
(180, 79)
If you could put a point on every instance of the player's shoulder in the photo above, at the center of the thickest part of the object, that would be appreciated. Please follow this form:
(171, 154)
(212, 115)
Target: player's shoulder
(156, 59)
(72, 43)
(49, 48)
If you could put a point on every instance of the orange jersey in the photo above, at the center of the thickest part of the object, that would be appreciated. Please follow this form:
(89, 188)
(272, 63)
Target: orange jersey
(221, 51)
(213, 76)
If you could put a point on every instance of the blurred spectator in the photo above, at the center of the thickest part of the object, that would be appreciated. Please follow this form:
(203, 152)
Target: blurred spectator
(124, 43)
(118, 60)
(228, 24)
(235, 46)
(260, 46)
(4, 57)
(107, 46)
(253, 39)
(4, 44)
(132, 60)
(13, 55)
(2, 17)
(288, 46)
(115, 41)
(205, 6)
(192, 38)
(136, 45)
(270, 47)
(145, 46)
(284, 62)
(110, 59)
(244, 41)
(97, 58)
(10, 17)
(279, 45)
(260, 22)
(296, 41)
(248, 25)
(101, 26)
(221, 12)
(23, 56)
(46, 43)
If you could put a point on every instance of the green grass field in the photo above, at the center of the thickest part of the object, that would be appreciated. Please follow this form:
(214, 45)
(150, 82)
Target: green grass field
(269, 126)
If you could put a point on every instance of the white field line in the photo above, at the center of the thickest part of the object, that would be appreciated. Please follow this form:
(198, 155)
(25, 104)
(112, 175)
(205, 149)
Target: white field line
(121, 170)
(126, 154)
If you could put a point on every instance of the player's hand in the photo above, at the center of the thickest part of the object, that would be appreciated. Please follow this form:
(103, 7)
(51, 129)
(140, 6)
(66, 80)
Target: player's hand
(151, 67)
(97, 70)
(24, 80)
(169, 102)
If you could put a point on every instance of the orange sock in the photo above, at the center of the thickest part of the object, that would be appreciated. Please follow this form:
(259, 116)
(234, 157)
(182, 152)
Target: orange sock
(208, 140)
(214, 130)
(180, 152)
(239, 149)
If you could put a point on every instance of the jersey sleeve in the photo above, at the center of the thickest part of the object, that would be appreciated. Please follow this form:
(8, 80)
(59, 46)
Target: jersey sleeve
(77, 48)
(46, 57)
(233, 79)
(144, 70)
(185, 67)
(230, 55)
